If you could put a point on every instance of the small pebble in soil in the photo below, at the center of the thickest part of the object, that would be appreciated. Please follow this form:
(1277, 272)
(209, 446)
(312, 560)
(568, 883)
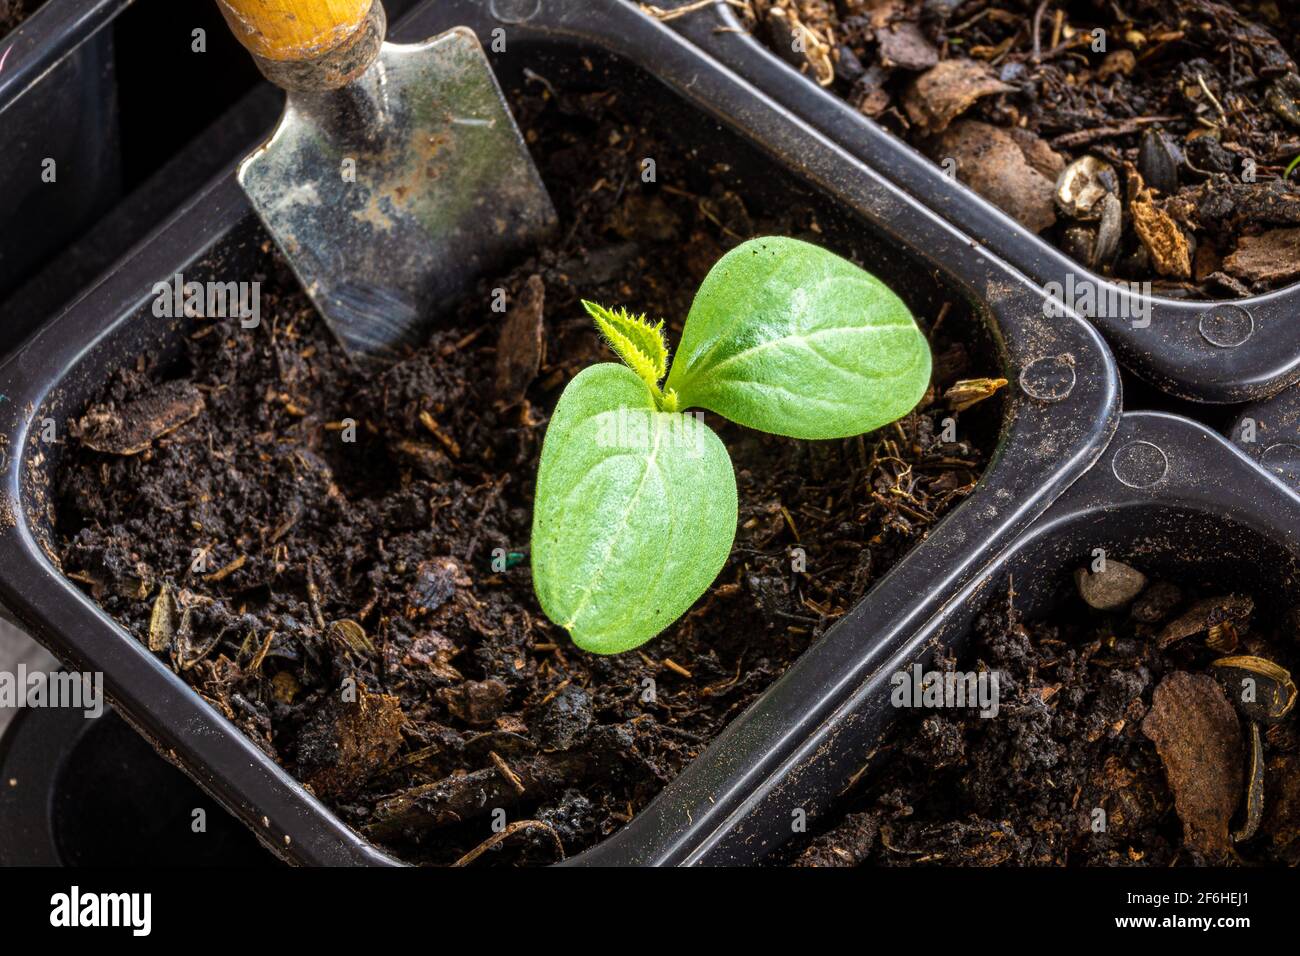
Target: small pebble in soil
(1114, 586)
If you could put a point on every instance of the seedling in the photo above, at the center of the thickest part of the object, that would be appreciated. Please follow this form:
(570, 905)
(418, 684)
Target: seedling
(636, 511)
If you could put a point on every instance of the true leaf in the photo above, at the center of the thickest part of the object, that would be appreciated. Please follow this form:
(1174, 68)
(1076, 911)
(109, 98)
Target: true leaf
(789, 338)
(634, 339)
(635, 512)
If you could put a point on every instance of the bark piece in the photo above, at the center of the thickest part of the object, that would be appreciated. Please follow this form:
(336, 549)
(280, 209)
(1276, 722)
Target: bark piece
(131, 429)
(521, 346)
(904, 45)
(1038, 153)
(465, 796)
(944, 92)
(1166, 243)
(475, 702)
(995, 164)
(1198, 737)
(1271, 257)
(344, 743)
(1203, 615)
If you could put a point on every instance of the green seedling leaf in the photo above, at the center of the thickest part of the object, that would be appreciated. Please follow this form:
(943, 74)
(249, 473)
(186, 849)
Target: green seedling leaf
(636, 502)
(639, 343)
(789, 338)
(635, 511)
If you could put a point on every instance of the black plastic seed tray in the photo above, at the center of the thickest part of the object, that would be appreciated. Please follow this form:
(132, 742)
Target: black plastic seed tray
(1061, 410)
(1169, 496)
(1268, 432)
(58, 101)
(91, 792)
(1199, 350)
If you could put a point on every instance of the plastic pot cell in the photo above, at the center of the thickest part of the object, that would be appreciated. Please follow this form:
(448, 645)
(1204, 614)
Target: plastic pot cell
(1199, 350)
(93, 793)
(1168, 497)
(58, 118)
(1058, 413)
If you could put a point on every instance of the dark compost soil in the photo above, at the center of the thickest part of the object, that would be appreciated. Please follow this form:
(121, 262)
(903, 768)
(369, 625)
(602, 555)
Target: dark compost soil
(14, 12)
(217, 511)
(1193, 105)
(1115, 712)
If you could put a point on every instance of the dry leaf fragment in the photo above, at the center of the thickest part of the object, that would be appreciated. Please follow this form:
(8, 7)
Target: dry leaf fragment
(434, 651)
(351, 635)
(972, 391)
(189, 648)
(285, 687)
(162, 627)
(1119, 61)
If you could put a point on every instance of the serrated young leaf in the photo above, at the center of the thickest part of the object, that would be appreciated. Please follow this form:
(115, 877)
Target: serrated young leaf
(635, 512)
(789, 338)
(634, 339)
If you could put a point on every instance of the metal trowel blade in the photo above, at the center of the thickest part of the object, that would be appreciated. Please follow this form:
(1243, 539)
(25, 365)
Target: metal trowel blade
(391, 196)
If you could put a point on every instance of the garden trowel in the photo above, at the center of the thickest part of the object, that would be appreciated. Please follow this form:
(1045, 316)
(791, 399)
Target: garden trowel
(397, 175)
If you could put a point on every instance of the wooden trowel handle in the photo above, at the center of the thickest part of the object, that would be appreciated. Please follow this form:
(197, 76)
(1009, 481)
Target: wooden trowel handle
(285, 36)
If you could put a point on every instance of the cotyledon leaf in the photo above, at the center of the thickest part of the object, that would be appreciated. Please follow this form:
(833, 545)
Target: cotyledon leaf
(789, 338)
(635, 512)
